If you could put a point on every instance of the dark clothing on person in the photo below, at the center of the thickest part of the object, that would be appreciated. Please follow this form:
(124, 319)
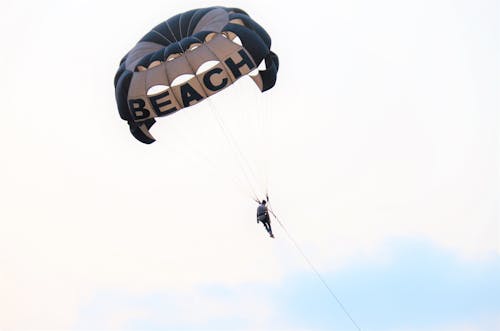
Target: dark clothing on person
(267, 225)
(263, 216)
(261, 210)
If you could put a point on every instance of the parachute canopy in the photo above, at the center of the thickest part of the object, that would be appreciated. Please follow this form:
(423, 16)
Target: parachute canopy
(188, 58)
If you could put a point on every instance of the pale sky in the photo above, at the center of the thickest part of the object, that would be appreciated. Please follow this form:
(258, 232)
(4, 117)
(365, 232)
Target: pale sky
(379, 146)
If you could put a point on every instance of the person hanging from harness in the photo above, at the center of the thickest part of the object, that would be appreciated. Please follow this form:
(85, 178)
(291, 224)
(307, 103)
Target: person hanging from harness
(263, 216)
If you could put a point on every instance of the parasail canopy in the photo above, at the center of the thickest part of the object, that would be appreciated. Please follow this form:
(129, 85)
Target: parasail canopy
(188, 58)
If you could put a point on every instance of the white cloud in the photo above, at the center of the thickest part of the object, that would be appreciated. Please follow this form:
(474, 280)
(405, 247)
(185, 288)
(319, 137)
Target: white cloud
(487, 324)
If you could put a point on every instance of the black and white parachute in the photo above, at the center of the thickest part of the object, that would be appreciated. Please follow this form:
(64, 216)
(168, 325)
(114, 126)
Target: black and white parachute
(188, 58)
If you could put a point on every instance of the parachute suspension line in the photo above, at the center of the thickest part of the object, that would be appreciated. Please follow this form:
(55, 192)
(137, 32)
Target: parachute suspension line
(266, 136)
(237, 181)
(230, 139)
(314, 269)
(261, 153)
(226, 132)
(254, 116)
(205, 159)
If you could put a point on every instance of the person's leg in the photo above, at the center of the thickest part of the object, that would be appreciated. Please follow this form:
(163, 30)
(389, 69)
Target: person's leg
(268, 228)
